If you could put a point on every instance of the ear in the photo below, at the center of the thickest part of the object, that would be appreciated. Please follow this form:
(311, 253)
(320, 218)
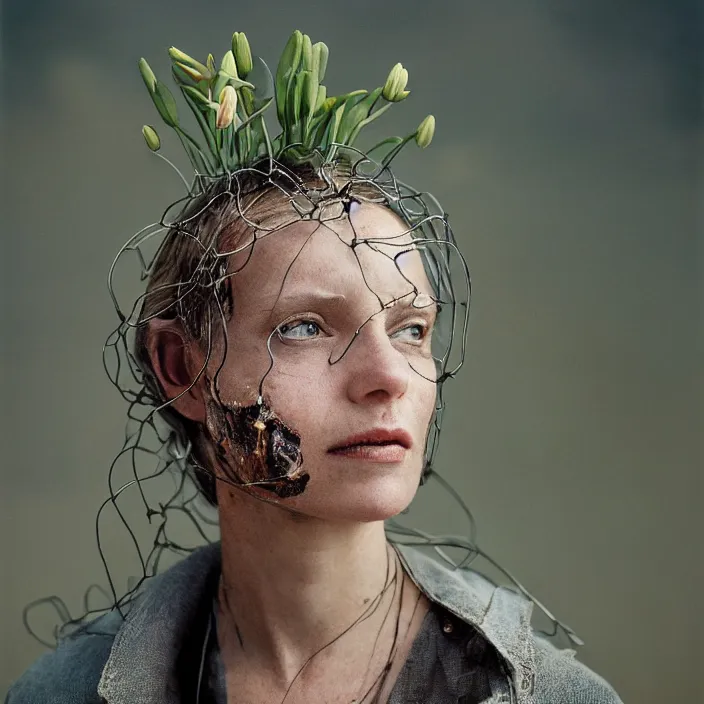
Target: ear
(177, 362)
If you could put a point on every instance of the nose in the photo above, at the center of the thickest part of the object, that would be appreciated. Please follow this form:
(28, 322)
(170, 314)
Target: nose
(377, 372)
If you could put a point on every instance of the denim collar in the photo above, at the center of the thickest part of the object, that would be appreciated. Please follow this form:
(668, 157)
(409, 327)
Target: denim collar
(144, 658)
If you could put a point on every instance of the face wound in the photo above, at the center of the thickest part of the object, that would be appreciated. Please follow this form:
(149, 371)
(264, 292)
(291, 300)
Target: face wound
(254, 448)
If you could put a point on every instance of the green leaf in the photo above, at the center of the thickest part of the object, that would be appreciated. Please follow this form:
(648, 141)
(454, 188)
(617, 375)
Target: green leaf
(321, 98)
(165, 104)
(221, 80)
(295, 103)
(263, 81)
(365, 122)
(320, 57)
(200, 100)
(336, 100)
(291, 54)
(307, 53)
(335, 123)
(189, 95)
(317, 129)
(277, 144)
(285, 72)
(246, 100)
(355, 114)
(310, 95)
(255, 115)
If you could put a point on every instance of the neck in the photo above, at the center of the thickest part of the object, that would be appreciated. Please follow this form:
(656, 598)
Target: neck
(292, 584)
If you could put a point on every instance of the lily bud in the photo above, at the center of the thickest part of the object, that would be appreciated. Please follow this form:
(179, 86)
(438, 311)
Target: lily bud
(226, 110)
(425, 132)
(195, 68)
(147, 75)
(151, 138)
(194, 73)
(243, 54)
(228, 64)
(178, 55)
(394, 88)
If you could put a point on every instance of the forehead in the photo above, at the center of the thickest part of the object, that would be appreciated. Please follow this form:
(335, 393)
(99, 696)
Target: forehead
(366, 251)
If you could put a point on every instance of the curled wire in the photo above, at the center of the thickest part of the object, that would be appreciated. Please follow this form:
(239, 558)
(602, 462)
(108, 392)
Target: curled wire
(148, 436)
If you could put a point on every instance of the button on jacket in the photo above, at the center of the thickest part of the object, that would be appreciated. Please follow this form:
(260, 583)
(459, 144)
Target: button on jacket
(476, 645)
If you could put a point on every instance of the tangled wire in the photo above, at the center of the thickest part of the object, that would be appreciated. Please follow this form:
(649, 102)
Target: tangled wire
(192, 248)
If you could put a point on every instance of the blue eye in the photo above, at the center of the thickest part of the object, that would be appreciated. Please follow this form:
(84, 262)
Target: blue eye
(418, 332)
(304, 330)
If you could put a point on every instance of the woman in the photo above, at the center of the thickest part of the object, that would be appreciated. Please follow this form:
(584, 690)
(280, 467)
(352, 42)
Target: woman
(295, 334)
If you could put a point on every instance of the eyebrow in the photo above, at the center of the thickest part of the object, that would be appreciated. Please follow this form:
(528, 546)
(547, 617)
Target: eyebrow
(407, 302)
(320, 298)
(308, 298)
(304, 296)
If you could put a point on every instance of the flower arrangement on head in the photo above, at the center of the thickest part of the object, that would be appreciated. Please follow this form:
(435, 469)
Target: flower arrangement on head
(229, 105)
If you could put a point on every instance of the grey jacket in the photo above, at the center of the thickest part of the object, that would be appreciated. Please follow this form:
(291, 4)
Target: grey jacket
(476, 645)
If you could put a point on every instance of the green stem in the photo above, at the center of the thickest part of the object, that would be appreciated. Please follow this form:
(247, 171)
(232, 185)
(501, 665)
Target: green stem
(392, 154)
(202, 122)
(195, 156)
(396, 140)
(267, 140)
(365, 122)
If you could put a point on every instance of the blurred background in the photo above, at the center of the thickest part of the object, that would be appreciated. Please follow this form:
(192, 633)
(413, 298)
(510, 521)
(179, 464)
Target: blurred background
(567, 153)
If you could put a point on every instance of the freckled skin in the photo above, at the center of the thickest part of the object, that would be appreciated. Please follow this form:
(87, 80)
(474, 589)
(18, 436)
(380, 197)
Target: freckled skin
(368, 359)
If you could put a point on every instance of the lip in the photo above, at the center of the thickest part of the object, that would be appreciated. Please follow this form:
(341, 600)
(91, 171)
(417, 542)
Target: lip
(390, 436)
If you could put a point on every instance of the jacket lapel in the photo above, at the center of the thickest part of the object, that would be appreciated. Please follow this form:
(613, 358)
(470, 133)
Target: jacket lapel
(143, 667)
(502, 615)
(144, 663)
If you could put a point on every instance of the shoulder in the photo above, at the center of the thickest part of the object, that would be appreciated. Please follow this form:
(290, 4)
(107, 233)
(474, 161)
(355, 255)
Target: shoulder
(69, 674)
(562, 679)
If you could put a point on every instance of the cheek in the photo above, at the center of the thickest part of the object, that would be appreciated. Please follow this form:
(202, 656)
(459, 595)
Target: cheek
(427, 403)
(306, 400)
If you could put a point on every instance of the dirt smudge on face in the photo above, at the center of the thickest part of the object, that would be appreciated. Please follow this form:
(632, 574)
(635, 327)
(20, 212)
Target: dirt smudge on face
(254, 446)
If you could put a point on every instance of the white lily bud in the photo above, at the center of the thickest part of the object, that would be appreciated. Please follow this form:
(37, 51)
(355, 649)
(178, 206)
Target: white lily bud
(243, 54)
(227, 108)
(394, 88)
(147, 75)
(425, 132)
(151, 138)
(228, 64)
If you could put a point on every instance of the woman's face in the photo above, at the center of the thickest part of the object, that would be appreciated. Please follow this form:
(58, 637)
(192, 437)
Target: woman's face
(323, 382)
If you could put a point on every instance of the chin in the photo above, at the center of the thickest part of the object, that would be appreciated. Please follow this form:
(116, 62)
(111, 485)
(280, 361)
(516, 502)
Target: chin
(364, 500)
